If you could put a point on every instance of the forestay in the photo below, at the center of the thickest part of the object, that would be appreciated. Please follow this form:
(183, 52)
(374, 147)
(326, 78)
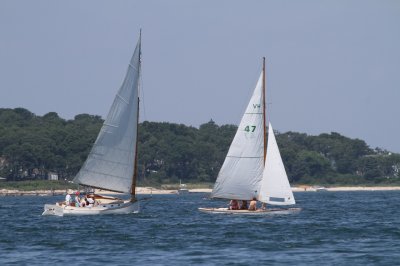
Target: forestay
(275, 188)
(242, 169)
(110, 164)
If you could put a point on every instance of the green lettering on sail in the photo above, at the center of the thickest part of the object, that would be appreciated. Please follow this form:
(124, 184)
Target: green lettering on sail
(250, 128)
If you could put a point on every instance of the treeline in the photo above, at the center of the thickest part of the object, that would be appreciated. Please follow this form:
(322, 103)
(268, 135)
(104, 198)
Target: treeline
(34, 147)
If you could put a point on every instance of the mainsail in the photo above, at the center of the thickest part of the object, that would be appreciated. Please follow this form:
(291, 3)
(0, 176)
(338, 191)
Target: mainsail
(275, 188)
(242, 169)
(111, 162)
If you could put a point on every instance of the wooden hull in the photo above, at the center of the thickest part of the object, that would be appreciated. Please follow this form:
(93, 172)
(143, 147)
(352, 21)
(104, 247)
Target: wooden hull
(247, 212)
(125, 207)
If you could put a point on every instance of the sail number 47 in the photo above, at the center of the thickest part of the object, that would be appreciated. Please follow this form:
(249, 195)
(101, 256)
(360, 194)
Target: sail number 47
(250, 128)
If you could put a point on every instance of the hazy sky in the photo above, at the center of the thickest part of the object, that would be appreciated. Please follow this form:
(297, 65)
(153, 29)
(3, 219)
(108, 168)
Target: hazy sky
(331, 65)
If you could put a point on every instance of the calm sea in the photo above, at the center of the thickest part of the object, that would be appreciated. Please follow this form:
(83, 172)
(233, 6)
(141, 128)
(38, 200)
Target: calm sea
(334, 228)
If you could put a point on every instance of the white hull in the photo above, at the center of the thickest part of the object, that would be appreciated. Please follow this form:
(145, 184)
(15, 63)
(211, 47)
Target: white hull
(247, 212)
(183, 191)
(125, 207)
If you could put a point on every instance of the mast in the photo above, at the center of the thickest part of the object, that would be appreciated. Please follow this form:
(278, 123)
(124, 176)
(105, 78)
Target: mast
(134, 176)
(264, 107)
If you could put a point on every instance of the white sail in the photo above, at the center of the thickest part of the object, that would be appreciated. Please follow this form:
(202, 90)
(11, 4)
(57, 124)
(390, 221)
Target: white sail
(275, 188)
(110, 164)
(242, 169)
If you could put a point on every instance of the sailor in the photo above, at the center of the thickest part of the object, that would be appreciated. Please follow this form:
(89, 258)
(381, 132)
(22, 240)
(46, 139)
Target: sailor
(77, 199)
(253, 205)
(67, 199)
(234, 205)
(244, 205)
(82, 202)
(90, 201)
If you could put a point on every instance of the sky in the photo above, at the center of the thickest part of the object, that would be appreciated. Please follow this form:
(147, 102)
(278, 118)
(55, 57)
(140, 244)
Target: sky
(332, 66)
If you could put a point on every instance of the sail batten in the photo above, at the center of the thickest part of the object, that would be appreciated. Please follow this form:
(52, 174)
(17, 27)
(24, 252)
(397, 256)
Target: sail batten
(105, 124)
(231, 156)
(110, 164)
(111, 161)
(135, 68)
(122, 99)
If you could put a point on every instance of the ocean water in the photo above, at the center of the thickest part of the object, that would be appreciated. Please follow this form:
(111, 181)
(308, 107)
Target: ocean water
(333, 228)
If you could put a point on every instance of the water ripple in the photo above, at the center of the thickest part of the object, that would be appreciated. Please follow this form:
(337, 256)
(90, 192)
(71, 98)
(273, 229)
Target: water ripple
(334, 228)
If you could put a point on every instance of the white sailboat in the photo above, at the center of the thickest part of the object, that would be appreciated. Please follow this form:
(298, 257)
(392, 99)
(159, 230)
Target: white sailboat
(112, 162)
(253, 169)
(183, 189)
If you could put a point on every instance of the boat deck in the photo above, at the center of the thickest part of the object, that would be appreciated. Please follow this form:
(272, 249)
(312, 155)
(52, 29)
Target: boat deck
(247, 212)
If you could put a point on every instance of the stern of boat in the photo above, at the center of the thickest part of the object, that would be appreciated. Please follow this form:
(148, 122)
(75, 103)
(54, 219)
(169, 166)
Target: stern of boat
(52, 209)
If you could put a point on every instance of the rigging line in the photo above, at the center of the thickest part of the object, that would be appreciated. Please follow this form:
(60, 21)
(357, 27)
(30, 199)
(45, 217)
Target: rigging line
(141, 88)
(269, 104)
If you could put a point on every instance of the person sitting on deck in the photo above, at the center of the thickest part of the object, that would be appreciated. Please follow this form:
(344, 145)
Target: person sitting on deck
(244, 205)
(89, 201)
(83, 202)
(67, 199)
(77, 199)
(253, 205)
(234, 205)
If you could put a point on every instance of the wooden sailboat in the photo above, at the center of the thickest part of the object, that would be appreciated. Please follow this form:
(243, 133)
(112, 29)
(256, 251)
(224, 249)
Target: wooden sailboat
(112, 162)
(253, 169)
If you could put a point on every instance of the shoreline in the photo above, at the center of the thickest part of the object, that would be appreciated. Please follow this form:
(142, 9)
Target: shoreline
(156, 191)
(344, 188)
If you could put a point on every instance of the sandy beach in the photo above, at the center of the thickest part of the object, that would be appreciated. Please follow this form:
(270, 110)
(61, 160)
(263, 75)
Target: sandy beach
(151, 190)
(355, 188)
